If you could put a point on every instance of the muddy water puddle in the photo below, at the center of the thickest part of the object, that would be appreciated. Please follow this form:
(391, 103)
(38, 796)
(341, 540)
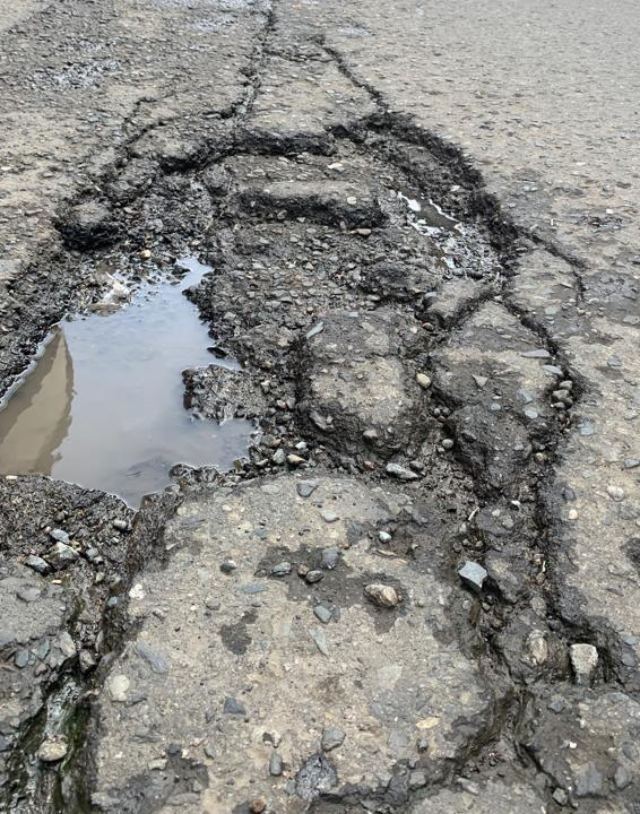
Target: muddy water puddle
(103, 404)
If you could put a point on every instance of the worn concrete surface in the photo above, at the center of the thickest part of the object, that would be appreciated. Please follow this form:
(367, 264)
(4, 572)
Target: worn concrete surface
(299, 635)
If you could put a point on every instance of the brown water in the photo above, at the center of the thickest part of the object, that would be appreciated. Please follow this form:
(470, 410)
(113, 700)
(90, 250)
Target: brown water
(103, 405)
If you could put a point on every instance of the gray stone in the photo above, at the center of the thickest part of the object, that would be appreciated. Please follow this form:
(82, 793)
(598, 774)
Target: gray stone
(66, 645)
(317, 776)
(59, 536)
(253, 588)
(86, 660)
(417, 780)
(400, 472)
(557, 704)
(332, 737)
(281, 569)
(328, 516)
(275, 765)
(588, 780)
(584, 661)
(472, 575)
(323, 614)
(233, 707)
(315, 330)
(306, 488)
(330, 558)
(61, 555)
(118, 687)
(320, 640)
(37, 564)
(622, 778)
(52, 751)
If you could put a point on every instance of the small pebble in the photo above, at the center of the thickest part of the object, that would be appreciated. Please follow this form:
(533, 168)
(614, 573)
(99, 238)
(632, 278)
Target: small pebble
(615, 492)
(37, 564)
(400, 472)
(330, 558)
(332, 737)
(320, 640)
(60, 555)
(306, 488)
(52, 751)
(537, 647)
(118, 688)
(385, 596)
(323, 614)
(472, 574)
(417, 780)
(275, 765)
(281, 569)
(584, 661)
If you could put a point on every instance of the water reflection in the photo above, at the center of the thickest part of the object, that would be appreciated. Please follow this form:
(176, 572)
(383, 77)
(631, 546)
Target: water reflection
(36, 419)
(103, 406)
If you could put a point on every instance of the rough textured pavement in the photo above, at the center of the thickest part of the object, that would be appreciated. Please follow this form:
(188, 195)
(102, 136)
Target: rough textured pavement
(419, 591)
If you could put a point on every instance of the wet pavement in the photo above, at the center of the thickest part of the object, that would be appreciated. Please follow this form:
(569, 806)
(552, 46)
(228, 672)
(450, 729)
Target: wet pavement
(416, 589)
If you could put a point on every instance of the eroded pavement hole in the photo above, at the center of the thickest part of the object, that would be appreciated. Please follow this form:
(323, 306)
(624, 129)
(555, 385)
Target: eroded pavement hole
(103, 405)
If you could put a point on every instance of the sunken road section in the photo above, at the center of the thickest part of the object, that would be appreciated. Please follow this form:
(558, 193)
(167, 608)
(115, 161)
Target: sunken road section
(365, 613)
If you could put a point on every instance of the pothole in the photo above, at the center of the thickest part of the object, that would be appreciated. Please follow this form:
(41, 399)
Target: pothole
(103, 406)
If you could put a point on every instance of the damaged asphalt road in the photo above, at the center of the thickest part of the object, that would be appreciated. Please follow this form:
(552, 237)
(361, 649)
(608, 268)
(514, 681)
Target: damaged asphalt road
(415, 590)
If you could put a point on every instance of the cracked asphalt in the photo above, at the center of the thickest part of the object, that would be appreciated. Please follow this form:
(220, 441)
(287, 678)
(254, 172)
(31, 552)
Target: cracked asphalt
(418, 588)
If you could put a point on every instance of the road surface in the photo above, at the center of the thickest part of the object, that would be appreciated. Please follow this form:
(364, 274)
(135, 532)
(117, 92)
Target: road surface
(418, 590)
